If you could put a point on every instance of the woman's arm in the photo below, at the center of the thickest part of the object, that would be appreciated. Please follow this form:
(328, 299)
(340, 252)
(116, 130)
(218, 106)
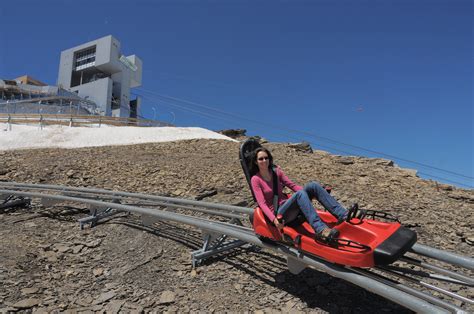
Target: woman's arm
(287, 182)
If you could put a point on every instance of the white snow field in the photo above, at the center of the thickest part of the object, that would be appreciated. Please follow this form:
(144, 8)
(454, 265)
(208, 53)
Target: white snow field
(27, 136)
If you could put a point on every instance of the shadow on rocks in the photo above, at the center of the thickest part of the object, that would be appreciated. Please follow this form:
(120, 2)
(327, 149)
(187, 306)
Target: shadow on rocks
(315, 289)
(186, 237)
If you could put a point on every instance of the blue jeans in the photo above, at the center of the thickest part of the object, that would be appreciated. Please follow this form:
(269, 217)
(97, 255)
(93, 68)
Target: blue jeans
(301, 201)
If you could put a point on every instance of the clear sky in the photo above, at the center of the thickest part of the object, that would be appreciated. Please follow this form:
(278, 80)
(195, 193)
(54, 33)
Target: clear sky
(392, 77)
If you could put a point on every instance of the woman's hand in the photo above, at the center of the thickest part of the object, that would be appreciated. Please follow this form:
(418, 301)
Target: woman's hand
(278, 224)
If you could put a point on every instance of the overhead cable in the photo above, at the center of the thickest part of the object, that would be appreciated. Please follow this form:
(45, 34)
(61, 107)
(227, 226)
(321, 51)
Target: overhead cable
(306, 134)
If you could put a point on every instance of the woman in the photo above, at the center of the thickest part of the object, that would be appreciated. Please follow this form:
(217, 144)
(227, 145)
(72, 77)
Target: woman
(262, 185)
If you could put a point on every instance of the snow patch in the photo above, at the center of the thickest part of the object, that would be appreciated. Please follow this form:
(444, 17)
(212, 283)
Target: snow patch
(27, 136)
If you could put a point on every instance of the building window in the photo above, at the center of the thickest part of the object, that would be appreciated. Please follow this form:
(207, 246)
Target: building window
(84, 59)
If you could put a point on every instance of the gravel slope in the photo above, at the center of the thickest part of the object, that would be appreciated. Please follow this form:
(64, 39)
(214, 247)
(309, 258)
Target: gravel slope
(47, 263)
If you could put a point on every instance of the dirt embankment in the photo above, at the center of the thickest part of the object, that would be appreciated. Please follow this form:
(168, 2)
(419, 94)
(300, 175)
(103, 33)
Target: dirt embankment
(46, 262)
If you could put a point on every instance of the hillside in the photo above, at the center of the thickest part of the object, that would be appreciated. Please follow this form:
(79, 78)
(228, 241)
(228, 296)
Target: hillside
(45, 257)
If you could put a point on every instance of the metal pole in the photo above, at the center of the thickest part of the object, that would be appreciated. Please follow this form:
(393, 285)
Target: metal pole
(230, 208)
(430, 286)
(174, 117)
(412, 292)
(447, 257)
(462, 278)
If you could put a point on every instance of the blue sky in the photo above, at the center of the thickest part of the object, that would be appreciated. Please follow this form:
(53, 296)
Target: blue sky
(392, 77)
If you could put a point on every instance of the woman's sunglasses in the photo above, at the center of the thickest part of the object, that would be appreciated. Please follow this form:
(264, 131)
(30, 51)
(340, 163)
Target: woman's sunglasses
(263, 158)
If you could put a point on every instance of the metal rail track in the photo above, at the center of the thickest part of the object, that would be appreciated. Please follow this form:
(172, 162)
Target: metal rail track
(398, 283)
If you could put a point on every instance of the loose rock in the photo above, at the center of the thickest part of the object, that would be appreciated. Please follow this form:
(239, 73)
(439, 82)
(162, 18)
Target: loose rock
(167, 297)
(26, 304)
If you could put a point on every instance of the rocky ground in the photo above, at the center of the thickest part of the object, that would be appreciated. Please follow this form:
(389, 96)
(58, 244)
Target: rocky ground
(48, 264)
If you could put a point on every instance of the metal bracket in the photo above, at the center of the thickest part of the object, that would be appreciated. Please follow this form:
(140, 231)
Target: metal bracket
(215, 244)
(48, 202)
(295, 266)
(148, 220)
(97, 213)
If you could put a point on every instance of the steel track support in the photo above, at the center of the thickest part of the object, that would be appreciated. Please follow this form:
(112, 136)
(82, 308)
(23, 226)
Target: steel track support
(214, 244)
(97, 213)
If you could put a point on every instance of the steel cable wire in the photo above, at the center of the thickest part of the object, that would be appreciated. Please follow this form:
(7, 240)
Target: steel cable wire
(307, 134)
(169, 101)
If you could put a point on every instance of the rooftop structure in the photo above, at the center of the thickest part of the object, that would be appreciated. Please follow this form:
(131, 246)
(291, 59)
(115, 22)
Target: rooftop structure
(26, 79)
(99, 72)
(27, 95)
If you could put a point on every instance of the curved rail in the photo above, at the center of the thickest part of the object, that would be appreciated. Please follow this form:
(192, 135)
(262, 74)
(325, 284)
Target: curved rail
(444, 256)
(420, 249)
(409, 297)
(120, 194)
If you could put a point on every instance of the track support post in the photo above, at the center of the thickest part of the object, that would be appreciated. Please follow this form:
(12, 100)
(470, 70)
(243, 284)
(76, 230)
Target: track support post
(215, 244)
(96, 214)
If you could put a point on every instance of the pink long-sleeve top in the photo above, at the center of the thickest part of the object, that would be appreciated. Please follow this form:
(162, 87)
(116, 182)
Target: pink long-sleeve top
(263, 191)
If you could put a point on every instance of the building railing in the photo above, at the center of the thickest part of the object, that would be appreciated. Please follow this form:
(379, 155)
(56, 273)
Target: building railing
(76, 120)
(64, 103)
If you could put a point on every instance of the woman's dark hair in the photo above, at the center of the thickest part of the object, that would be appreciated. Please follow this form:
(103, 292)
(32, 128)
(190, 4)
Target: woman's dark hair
(253, 165)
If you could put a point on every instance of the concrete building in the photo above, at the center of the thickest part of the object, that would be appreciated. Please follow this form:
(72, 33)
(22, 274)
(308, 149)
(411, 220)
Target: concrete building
(98, 71)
